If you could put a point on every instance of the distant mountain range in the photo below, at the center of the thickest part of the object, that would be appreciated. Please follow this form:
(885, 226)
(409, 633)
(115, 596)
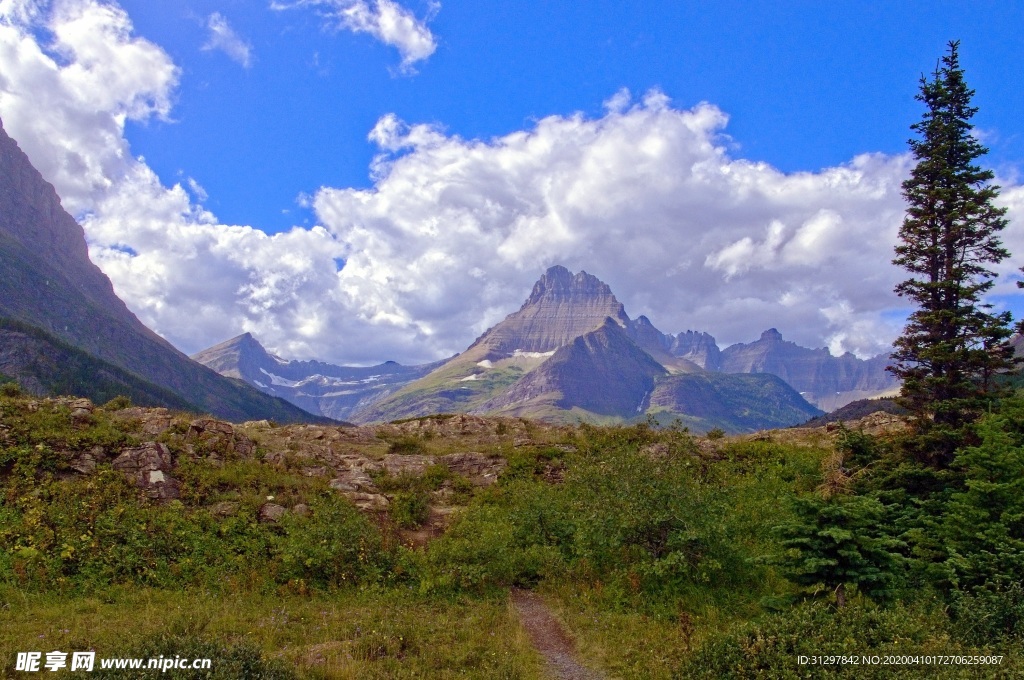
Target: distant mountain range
(572, 353)
(63, 329)
(333, 391)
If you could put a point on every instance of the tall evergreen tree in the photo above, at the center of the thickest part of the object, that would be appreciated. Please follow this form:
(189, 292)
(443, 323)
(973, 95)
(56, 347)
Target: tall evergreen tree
(953, 343)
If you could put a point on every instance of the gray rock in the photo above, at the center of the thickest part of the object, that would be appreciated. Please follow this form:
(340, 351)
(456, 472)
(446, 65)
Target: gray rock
(369, 502)
(149, 467)
(224, 509)
(85, 462)
(353, 480)
(271, 513)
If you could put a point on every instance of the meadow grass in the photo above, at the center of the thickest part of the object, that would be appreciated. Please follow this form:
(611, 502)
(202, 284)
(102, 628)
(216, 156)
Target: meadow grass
(342, 634)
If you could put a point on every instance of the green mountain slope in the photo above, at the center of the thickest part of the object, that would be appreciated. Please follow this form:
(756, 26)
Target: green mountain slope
(732, 402)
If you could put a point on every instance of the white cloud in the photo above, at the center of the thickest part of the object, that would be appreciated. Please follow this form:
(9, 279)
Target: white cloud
(222, 37)
(647, 198)
(193, 280)
(386, 20)
(454, 232)
(197, 190)
(66, 102)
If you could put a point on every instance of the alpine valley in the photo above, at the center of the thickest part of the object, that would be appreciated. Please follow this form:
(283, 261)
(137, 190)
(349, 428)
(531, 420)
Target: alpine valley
(570, 354)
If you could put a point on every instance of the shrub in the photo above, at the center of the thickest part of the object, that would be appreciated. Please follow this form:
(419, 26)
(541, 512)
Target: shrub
(9, 388)
(335, 545)
(118, 403)
(770, 647)
(410, 509)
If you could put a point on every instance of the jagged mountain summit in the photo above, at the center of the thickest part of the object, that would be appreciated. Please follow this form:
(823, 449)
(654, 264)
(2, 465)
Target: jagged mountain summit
(333, 391)
(63, 329)
(561, 307)
(572, 353)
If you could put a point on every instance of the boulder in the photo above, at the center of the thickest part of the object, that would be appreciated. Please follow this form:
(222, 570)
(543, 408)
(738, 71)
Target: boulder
(149, 466)
(224, 509)
(352, 480)
(478, 468)
(216, 439)
(271, 513)
(85, 461)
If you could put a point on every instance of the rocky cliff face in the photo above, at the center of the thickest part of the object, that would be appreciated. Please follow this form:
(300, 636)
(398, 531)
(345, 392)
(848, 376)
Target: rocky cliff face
(700, 348)
(828, 381)
(48, 282)
(561, 307)
(318, 387)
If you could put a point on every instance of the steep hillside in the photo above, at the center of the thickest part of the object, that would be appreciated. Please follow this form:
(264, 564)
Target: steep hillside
(47, 281)
(601, 372)
(734, 403)
(43, 364)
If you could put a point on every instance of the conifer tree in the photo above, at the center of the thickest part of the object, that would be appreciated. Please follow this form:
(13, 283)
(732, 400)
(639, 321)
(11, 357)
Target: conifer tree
(953, 343)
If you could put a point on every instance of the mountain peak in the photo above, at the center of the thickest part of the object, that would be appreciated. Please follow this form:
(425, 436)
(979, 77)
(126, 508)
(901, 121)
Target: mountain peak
(772, 335)
(558, 283)
(561, 307)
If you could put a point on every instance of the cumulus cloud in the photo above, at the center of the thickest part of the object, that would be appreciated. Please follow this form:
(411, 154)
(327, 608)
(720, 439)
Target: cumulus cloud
(66, 101)
(649, 196)
(191, 279)
(385, 20)
(222, 37)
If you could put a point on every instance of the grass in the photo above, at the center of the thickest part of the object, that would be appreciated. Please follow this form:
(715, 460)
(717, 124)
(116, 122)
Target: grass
(654, 548)
(347, 634)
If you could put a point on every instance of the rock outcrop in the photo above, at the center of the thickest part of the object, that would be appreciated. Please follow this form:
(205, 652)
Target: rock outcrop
(149, 467)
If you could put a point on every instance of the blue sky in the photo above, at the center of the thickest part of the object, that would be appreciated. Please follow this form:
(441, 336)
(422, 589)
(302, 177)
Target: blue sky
(806, 84)
(726, 167)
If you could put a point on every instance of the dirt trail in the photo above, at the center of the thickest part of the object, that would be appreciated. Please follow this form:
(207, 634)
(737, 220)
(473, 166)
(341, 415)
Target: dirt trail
(550, 638)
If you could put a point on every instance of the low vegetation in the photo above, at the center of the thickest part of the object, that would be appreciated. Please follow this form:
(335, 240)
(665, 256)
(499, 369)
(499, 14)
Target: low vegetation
(664, 554)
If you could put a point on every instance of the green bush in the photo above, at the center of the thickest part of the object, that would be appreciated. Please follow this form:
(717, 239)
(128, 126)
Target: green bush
(9, 387)
(335, 545)
(410, 509)
(118, 403)
(987, 616)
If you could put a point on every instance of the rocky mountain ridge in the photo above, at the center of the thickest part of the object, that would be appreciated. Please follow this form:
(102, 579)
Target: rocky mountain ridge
(318, 387)
(572, 353)
(827, 381)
